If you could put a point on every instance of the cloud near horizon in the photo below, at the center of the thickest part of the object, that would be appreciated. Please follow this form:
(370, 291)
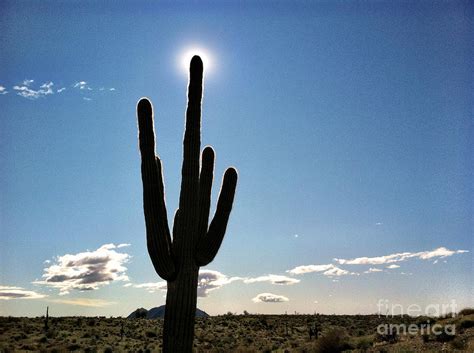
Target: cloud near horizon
(86, 270)
(273, 279)
(209, 280)
(399, 257)
(94, 303)
(328, 270)
(11, 292)
(269, 298)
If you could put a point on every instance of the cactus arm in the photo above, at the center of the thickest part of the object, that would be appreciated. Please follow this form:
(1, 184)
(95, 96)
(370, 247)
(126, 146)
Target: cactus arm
(157, 230)
(209, 245)
(205, 187)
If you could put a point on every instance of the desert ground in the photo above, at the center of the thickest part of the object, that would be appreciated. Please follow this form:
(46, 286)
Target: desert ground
(240, 333)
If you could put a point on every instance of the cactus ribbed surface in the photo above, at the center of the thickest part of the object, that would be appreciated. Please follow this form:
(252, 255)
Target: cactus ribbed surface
(194, 243)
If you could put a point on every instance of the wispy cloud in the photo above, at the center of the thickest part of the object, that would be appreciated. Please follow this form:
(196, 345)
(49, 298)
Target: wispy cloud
(332, 270)
(150, 287)
(82, 85)
(9, 292)
(329, 270)
(86, 270)
(393, 266)
(26, 89)
(399, 257)
(95, 303)
(269, 298)
(373, 269)
(208, 280)
(273, 279)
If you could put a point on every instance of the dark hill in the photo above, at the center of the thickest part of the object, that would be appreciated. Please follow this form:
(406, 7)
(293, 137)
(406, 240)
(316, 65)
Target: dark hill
(158, 312)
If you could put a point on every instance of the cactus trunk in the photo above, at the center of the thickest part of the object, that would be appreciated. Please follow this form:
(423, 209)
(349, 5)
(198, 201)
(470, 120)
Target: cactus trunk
(180, 312)
(194, 242)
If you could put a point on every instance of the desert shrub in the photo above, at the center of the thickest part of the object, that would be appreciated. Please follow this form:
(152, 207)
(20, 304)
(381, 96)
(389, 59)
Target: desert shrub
(467, 323)
(333, 341)
(364, 343)
(390, 337)
(150, 334)
(466, 311)
(459, 343)
(445, 336)
(73, 347)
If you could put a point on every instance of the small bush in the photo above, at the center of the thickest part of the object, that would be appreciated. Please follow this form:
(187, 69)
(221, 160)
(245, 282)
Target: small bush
(150, 334)
(445, 336)
(459, 343)
(364, 343)
(333, 341)
(466, 311)
(467, 323)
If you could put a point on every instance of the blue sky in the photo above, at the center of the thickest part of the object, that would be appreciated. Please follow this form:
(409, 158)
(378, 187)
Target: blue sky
(350, 124)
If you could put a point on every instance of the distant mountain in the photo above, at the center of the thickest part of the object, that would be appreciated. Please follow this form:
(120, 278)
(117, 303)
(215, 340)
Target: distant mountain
(157, 313)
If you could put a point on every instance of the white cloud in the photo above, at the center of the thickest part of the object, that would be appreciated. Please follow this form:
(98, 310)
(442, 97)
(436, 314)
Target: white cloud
(9, 292)
(329, 270)
(336, 271)
(95, 303)
(273, 279)
(310, 268)
(399, 257)
(26, 91)
(150, 287)
(82, 85)
(208, 280)
(87, 270)
(393, 266)
(123, 245)
(373, 269)
(269, 298)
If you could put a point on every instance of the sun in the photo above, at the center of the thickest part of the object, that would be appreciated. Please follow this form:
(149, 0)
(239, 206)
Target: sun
(187, 54)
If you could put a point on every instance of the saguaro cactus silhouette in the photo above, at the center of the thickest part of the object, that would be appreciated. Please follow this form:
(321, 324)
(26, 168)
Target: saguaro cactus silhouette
(194, 243)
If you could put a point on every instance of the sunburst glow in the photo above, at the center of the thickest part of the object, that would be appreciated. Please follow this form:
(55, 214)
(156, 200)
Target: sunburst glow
(186, 55)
